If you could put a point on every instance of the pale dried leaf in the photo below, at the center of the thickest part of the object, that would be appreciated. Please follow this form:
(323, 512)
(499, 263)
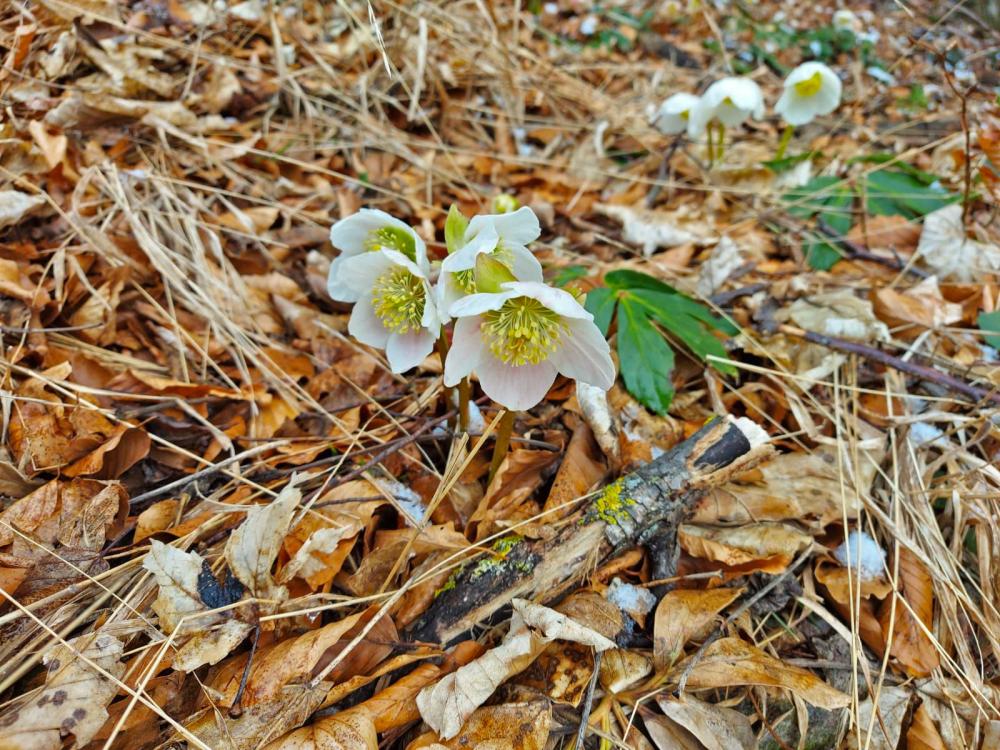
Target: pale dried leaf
(176, 573)
(717, 727)
(74, 699)
(210, 646)
(945, 248)
(15, 206)
(685, 614)
(881, 731)
(650, 229)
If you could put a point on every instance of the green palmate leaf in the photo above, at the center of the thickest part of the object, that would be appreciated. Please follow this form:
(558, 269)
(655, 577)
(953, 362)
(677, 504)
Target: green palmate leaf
(454, 229)
(568, 274)
(601, 304)
(990, 322)
(805, 201)
(821, 255)
(645, 360)
(647, 309)
(897, 193)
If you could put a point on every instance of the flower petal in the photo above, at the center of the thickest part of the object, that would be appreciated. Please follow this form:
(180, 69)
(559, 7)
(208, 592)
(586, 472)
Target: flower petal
(584, 355)
(465, 257)
(524, 265)
(518, 227)
(337, 289)
(350, 234)
(360, 272)
(466, 352)
(431, 319)
(557, 300)
(365, 325)
(477, 304)
(407, 350)
(517, 388)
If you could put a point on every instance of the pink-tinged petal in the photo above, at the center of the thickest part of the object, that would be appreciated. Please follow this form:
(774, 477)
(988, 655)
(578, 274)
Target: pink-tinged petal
(557, 300)
(477, 304)
(465, 257)
(516, 388)
(525, 265)
(466, 352)
(360, 272)
(584, 355)
(337, 289)
(407, 350)
(350, 233)
(365, 325)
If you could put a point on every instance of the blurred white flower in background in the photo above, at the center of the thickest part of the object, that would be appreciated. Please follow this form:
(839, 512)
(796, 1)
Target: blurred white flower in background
(845, 20)
(811, 90)
(675, 113)
(729, 101)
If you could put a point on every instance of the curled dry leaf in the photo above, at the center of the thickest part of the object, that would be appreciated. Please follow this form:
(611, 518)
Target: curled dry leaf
(949, 252)
(621, 668)
(15, 206)
(352, 729)
(253, 547)
(731, 661)
(581, 469)
(922, 733)
(922, 305)
(177, 600)
(651, 229)
(74, 700)
(905, 627)
(841, 582)
(716, 727)
(767, 547)
(156, 518)
(525, 726)
(685, 614)
(446, 705)
(596, 412)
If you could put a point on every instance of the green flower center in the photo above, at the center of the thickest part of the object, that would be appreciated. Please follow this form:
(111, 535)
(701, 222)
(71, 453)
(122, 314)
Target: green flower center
(392, 238)
(398, 298)
(522, 332)
(810, 86)
(466, 280)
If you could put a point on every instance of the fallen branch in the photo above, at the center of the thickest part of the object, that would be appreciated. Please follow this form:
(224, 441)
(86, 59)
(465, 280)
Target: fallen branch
(653, 500)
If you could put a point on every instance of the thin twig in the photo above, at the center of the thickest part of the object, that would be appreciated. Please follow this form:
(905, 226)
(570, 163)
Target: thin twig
(588, 702)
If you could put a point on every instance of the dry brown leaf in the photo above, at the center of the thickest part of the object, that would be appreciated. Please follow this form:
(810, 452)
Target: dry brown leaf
(717, 727)
(922, 305)
(74, 700)
(352, 729)
(124, 448)
(905, 632)
(446, 705)
(731, 661)
(15, 206)
(668, 734)
(253, 547)
(581, 469)
(768, 547)
(922, 733)
(882, 730)
(177, 599)
(842, 582)
(524, 726)
(156, 518)
(685, 614)
(79, 513)
(621, 668)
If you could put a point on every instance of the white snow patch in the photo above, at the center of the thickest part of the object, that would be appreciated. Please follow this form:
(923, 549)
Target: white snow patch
(862, 553)
(632, 600)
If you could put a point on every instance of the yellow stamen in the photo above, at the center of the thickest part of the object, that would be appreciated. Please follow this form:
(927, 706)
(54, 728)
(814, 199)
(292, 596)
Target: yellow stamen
(466, 280)
(398, 298)
(522, 332)
(392, 238)
(810, 86)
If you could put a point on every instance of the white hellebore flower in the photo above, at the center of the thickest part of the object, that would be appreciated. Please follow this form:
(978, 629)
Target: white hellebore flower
(368, 230)
(503, 237)
(730, 101)
(675, 113)
(394, 305)
(811, 89)
(518, 339)
(845, 20)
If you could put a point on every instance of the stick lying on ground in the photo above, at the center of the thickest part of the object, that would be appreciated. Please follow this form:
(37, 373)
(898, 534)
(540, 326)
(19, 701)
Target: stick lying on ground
(653, 500)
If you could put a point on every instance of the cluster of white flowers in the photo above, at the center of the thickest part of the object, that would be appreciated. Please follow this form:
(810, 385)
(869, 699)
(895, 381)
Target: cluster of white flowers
(812, 89)
(511, 329)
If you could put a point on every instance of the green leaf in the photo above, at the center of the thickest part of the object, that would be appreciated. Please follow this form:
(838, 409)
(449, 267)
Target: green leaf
(783, 165)
(601, 304)
(687, 319)
(454, 229)
(645, 360)
(679, 305)
(822, 255)
(836, 214)
(891, 193)
(811, 197)
(568, 274)
(626, 279)
(990, 322)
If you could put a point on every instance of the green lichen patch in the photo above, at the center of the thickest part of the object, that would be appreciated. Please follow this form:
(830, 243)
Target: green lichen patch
(611, 504)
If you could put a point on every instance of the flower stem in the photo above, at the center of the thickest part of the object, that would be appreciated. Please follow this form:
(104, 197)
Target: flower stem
(502, 443)
(711, 145)
(722, 141)
(442, 347)
(786, 137)
(464, 393)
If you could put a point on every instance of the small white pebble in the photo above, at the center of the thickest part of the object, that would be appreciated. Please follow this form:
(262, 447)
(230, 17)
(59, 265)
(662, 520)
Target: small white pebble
(588, 26)
(925, 432)
(862, 553)
(635, 601)
(552, 8)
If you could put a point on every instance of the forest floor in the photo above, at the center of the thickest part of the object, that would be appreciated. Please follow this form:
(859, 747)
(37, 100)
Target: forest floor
(225, 521)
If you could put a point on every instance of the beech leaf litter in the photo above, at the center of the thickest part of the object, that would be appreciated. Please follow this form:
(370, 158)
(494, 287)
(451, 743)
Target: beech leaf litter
(499, 375)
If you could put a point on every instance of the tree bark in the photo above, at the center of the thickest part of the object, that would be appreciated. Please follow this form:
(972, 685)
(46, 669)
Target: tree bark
(646, 505)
